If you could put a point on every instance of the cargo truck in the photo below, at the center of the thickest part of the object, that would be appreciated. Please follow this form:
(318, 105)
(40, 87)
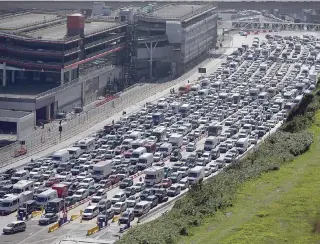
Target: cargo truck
(102, 170)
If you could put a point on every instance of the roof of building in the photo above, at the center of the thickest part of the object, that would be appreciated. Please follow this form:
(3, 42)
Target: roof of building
(175, 11)
(20, 21)
(13, 114)
(58, 32)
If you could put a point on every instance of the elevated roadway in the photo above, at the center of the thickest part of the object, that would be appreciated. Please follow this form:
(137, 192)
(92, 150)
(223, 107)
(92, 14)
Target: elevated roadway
(221, 4)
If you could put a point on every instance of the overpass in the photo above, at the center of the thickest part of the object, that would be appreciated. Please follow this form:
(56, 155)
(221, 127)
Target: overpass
(290, 5)
(276, 26)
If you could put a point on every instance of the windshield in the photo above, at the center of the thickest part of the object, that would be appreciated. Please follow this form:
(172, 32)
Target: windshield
(138, 207)
(193, 175)
(163, 149)
(41, 199)
(56, 158)
(135, 155)
(5, 204)
(17, 191)
(150, 177)
(88, 210)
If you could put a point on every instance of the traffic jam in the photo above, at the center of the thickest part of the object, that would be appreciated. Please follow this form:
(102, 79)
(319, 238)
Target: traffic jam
(150, 157)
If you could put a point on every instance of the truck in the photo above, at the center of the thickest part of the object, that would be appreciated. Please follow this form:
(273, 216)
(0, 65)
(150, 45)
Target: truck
(102, 170)
(61, 189)
(176, 139)
(154, 175)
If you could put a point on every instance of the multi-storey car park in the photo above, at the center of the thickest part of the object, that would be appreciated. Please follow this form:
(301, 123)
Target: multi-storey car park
(41, 62)
(59, 61)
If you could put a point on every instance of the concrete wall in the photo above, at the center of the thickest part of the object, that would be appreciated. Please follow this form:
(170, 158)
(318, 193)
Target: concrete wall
(158, 53)
(69, 97)
(25, 126)
(17, 105)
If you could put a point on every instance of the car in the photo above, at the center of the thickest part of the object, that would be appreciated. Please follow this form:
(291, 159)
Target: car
(191, 147)
(165, 183)
(101, 194)
(126, 217)
(208, 171)
(119, 207)
(183, 183)
(157, 157)
(127, 182)
(70, 200)
(48, 218)
(113, 179)
(139, 186)
(132, 201)
(145, 193)
(104, 204)
(175, 177)
(161, 194)
(90, 212)
(129, 191)
(15, 226)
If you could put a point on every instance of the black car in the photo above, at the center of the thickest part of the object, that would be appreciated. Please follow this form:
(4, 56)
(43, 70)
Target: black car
(153, 200)
(126, 217)
(48, 218)
(130, 191)
(176, 156)
(161, 194)
(133, 169)
(127, 182)
(145, 194)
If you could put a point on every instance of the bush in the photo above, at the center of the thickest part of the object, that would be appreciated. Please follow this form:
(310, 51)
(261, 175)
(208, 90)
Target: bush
(219, 192)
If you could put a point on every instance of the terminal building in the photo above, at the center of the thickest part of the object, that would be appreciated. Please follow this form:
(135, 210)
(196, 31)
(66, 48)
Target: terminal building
(172, 38)
(58, 61)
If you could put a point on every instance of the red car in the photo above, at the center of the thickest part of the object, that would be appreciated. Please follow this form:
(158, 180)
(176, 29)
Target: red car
(114, 179)
(166, 183)
(118, 150)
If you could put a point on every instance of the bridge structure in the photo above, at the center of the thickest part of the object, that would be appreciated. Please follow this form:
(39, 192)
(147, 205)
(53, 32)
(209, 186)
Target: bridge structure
(261, 26)
(289, 5)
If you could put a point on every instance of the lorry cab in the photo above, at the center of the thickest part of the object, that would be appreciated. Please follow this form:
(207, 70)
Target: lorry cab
(136, 154)
(54, 205)
(46, 196)
(28, 207)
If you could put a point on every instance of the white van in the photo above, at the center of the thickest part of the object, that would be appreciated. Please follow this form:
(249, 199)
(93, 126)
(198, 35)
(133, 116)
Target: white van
(23, 186)
(242, 145)
(210, 143)
(9, 204)
(61, 156)
(196, 174)
(166, 149)
(75, 152)
(135, 135)
(46, 196)
(145, 161)
(20, 175)
(136, 154)
(141, 208)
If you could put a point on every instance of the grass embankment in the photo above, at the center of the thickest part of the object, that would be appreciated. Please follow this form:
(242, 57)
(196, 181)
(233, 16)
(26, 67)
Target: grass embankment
(278, 207)
(219, 199)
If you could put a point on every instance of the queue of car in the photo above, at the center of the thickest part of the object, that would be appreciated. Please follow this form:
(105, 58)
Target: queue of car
(229, 110)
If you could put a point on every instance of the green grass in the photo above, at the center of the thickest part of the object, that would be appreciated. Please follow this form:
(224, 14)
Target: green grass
(278, 207)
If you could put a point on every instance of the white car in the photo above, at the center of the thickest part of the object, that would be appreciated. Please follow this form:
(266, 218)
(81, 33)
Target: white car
(119, 207)
(157, 157)
(132, 201)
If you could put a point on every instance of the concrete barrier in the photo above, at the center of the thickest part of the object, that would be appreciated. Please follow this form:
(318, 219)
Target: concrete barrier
(75, 216)
(36, 213)
(115, 219)
(92, 230)
(53, 227)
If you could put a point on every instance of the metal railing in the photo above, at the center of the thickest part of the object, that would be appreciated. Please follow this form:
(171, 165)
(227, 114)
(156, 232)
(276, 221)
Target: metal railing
(90, 44)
